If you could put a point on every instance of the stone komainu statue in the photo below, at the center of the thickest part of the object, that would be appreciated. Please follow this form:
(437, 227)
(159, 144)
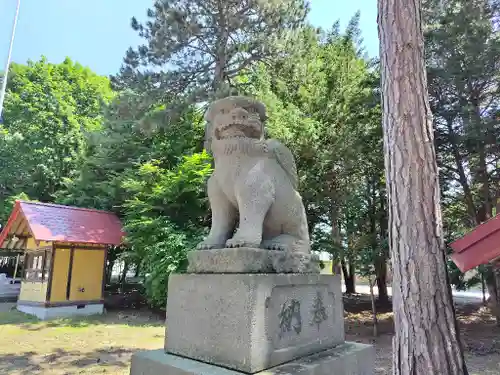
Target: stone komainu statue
(254, 182)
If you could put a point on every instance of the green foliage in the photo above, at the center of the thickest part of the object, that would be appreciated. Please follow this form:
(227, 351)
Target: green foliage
(154, 180)
(120, 147)
(194, 49)
(164, 247)
(323, 103)
(68, 138)
(178, 194)
(12, 180)
(462, 49)
(49, 108)
(8, 206)
(164, 218)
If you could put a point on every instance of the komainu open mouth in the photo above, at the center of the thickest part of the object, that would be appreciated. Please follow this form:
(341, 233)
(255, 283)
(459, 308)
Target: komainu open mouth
(236, 130)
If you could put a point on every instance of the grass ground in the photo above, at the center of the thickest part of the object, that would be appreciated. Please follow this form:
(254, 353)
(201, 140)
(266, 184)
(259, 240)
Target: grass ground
(95, 345)
(103, 345)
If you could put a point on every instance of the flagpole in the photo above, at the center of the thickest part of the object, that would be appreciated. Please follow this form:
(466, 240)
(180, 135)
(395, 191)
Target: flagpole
(9, 56)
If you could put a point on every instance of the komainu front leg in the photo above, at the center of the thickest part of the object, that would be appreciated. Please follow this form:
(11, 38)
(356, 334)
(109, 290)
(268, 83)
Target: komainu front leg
(286, 242)
(223, 218)
(254, 200)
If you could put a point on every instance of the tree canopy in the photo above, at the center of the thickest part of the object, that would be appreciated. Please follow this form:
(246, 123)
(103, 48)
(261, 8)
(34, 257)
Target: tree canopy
(133, 144)
(49, 110)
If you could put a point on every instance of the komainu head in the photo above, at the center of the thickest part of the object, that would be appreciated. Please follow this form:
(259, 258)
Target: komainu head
(235, 117)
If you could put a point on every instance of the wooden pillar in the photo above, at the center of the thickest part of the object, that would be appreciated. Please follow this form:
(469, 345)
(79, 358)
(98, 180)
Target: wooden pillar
(15, 268)
(104, 268)
(25, 256)
(70, 271)
(51, 270)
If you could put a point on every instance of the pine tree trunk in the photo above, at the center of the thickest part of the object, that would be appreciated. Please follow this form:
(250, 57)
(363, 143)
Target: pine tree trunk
(497, 305)
(381, 273)
(493, 285)
(483, 288)
(336, 264)
(426, 337)
(349, 278)
(137, 269)
(374, 307)
(123, 278)
(109, 271)
(383, 295)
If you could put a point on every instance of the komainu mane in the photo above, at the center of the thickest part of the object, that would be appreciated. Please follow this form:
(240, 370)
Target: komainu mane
(254, 182)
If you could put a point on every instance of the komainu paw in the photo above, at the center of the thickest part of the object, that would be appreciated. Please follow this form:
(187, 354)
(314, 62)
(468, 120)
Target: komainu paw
(235, 242)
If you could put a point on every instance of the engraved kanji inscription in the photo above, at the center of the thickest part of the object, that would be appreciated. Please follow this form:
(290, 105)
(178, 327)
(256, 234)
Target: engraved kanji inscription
(290, 318)
(318, 311)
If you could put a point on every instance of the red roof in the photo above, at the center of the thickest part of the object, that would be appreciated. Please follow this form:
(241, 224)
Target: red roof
(57, 223)
(479, 246)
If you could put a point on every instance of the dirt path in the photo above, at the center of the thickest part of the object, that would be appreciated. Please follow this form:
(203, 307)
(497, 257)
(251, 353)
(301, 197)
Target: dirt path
(479, 334)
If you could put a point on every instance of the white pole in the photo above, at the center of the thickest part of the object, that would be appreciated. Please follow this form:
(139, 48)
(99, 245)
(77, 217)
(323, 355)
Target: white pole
(9, 56)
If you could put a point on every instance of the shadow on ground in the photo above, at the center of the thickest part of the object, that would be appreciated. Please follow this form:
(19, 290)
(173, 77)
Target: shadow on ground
(31, 362)
(130, 317)
(479, 333)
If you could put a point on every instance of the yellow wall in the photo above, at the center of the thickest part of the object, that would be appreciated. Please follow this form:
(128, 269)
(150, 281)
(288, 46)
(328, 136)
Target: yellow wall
(33, 291)
(328, 267)
(31, 244)
(87, 273)
(60, 275)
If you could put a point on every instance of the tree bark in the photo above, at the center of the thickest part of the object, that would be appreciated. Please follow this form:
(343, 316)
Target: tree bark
(483, 288)
(493, 285)
(109, 270)
(497, 202)
(379, 259)
(462, 178)
(426, 339)
(123, 278)
(137, 269)
(336, 241)
(497, 305)
(374, 308)
(382, 271)
(349, 278)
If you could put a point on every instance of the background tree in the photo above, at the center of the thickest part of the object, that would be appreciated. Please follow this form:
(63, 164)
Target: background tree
(154, 181)
(324, 92)
(426, 337)
(194, 49)
(462, 47)
(164, 218)
(49, 109)
(323, 104)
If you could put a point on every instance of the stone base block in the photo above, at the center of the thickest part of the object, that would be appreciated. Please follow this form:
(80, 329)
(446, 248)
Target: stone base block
(250, 322)
(345, 359)
(45, 313)
(251, 260)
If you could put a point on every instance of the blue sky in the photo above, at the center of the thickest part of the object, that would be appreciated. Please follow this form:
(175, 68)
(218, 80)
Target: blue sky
(96, 33)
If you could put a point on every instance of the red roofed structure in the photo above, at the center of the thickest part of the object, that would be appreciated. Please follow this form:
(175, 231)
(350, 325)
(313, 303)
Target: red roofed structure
(479, 246)
(65, 256)
(57, 223)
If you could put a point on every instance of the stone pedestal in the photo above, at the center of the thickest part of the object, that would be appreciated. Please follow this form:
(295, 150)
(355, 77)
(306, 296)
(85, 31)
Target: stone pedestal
(345, 359)
(251, 260)
(251, 322)
(248, 323)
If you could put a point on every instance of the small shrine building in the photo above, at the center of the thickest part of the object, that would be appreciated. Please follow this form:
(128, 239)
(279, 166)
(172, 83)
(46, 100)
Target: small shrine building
(65, 250)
